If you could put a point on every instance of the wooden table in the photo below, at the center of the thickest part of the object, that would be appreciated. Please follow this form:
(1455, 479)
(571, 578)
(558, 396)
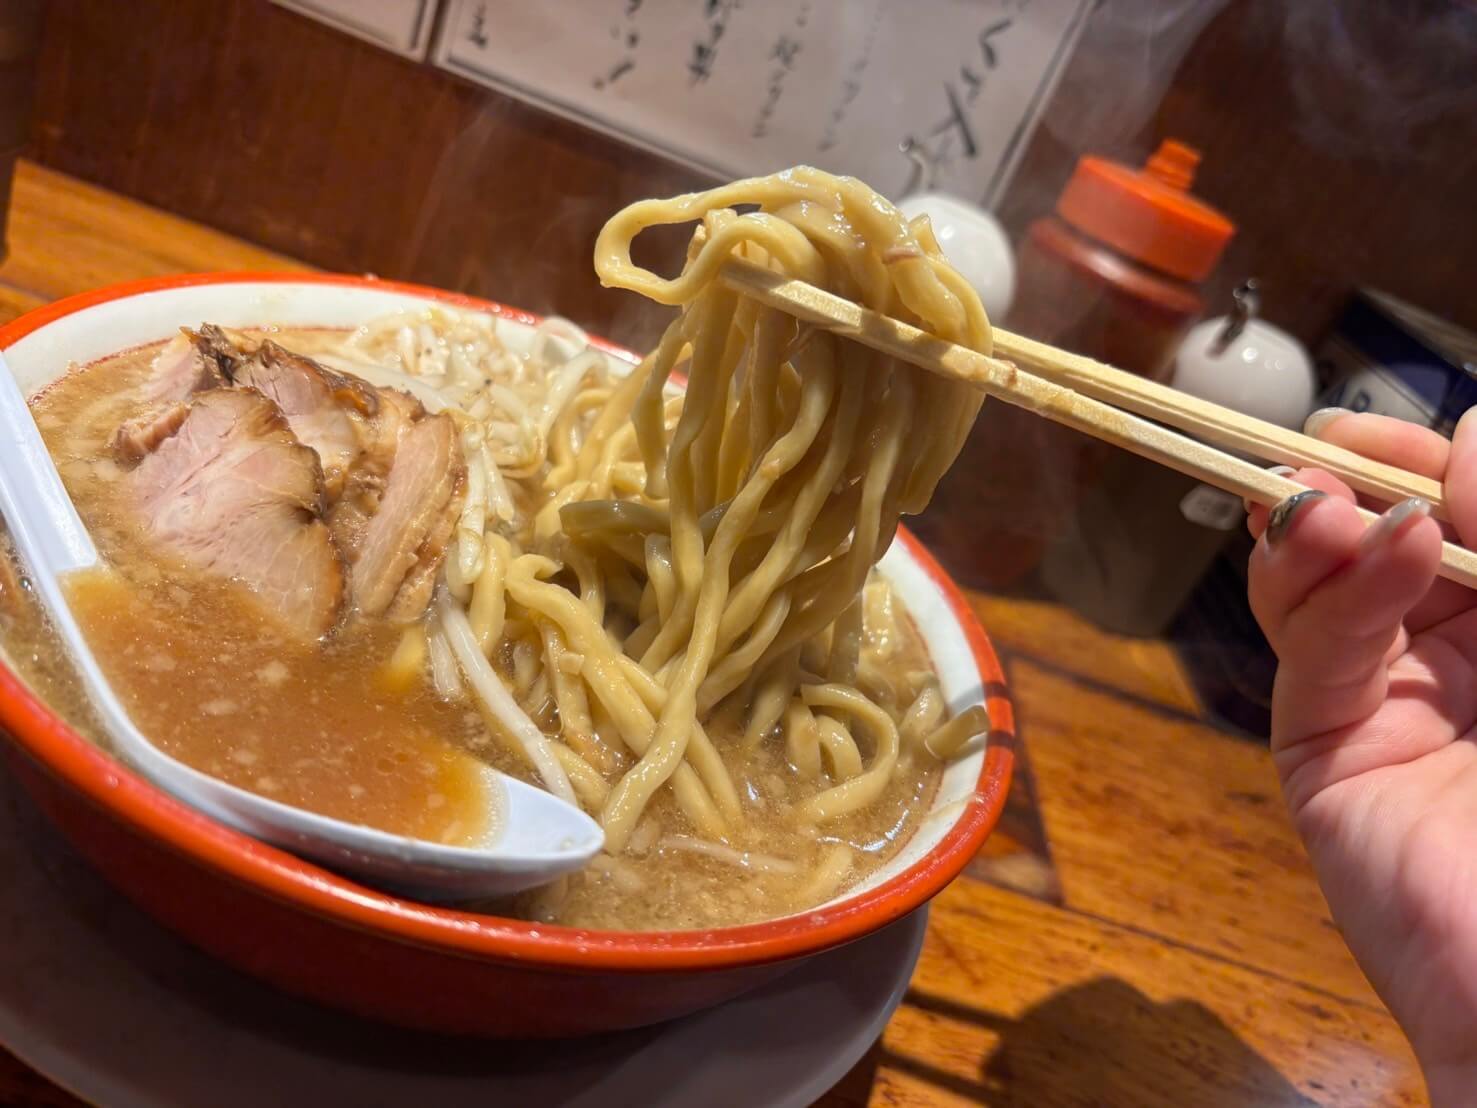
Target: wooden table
(1143, 929)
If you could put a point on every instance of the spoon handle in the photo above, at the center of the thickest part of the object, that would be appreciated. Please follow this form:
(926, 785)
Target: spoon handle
(51, 540)
(36, 507)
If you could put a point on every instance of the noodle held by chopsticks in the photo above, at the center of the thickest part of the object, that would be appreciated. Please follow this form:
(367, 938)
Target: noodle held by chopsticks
(672, 583)
(844, 439)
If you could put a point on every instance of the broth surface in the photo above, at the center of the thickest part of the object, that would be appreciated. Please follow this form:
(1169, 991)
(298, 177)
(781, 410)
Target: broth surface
(216, 684)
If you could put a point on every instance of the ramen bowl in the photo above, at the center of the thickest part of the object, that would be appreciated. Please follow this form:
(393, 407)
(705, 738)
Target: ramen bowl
(319, 935)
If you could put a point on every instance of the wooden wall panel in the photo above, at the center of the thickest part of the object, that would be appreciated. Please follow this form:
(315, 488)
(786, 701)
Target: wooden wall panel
(266, 125)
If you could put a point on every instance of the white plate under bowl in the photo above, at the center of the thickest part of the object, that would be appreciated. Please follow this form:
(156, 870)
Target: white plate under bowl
(115, 1009)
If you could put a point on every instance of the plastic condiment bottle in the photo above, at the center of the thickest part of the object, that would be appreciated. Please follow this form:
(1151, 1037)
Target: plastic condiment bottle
(1248, 365)
(1112, 273)
(1145, 536)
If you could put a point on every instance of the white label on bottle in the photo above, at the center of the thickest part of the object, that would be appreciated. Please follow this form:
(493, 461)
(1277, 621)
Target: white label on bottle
(1214, 508)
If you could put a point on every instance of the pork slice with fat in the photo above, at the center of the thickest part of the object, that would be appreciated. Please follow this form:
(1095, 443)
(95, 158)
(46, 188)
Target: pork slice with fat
(328, 411)
(394, 558)
(232, 492)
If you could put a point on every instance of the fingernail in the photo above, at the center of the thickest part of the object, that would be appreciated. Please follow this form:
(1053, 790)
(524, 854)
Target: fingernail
(1322, 418)
(1280, 471)
(1280, 521)
(1393, 522)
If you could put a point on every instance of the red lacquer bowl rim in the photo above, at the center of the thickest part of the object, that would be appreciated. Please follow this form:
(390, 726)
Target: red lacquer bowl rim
(156, 814)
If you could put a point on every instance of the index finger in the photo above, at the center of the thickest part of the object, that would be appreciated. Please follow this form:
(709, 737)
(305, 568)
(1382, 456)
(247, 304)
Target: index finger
(1461, 478)
(1382, 438)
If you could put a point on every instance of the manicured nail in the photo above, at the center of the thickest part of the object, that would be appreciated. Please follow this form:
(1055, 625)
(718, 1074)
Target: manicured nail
(1280, 521)
(1322, 418)
(1280, 471)
(1393, 522)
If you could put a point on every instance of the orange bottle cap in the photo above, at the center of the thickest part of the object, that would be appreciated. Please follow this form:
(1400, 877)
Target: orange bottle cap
(1148, 214)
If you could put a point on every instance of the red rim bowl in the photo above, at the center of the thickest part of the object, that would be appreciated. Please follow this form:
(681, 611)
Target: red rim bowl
(323, 936)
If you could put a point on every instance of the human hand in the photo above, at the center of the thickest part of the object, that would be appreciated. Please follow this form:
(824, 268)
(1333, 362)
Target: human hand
(1374, 726)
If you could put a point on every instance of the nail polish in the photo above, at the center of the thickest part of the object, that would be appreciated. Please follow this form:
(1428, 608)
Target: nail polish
(1393, 522)
(1280, 471)
(1280, 521)
(1322, 418)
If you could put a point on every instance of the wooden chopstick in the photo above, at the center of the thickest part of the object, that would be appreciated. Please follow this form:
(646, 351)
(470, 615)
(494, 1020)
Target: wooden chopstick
(1057, 402)
(1219, 425)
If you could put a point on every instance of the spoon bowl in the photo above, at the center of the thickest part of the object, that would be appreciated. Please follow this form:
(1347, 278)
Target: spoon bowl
(534, 837)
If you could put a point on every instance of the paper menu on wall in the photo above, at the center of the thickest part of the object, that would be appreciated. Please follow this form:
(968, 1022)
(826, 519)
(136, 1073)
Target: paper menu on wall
(742, 87)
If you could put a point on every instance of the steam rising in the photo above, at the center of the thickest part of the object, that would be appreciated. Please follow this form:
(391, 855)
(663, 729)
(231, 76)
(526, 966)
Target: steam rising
(1133, 48)
(1359, 97)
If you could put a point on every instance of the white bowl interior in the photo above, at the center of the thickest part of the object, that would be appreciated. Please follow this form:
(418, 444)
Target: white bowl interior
(47, 353)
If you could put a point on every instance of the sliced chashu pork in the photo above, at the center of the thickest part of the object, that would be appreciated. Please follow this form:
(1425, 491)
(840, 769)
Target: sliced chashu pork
(180, 369)
(328, 411)
(393, 473)
(232, 492)
(393, 563)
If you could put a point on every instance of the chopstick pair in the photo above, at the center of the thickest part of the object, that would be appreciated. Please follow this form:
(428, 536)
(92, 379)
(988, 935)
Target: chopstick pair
(1110, 404)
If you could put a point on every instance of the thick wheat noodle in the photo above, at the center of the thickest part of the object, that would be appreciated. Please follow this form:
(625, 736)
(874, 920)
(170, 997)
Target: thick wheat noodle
(589, 786)
(863, 789)
(846, 644)
(778, 564)
(954, 733)
(772, 694)
(591, 581)
(564, 436)
(826, 878)
(840, 748)
(922, 716)
(613, 417)
(706, 386)
(660, 577)
(688, 551)
(487, 608)
(703, 576)
(784, 455)
(802, 741)
(576, 726)
(648, 414)
(739, 662)
(834, 584)
(534, 744)
(605, 673)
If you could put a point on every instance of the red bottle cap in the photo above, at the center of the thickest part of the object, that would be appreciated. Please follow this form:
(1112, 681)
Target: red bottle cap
(1148, 214)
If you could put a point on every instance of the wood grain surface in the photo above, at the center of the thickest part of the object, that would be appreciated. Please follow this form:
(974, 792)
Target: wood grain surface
(1144, 929)
(66, 237)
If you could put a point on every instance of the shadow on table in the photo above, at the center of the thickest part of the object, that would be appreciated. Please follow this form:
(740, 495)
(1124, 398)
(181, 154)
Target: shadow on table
(1104, 1042)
